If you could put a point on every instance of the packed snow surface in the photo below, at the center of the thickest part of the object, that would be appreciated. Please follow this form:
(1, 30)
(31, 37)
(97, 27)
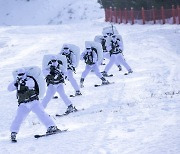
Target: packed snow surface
(139, 114)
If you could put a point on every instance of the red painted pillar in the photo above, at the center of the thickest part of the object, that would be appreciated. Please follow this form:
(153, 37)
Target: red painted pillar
(132, 15)
(178, 13)
(154, 15)
(143, 16)
(110, 14)
(125, 12)
(106, 14)
(173, 14)
(120, 15)
(115, 15)
(162, 15)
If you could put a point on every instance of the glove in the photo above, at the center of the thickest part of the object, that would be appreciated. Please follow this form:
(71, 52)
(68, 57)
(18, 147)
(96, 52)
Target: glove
(22, 83)
(52, 70)
(52, 73)
(66, 78)
(16, 84)
(72, 67)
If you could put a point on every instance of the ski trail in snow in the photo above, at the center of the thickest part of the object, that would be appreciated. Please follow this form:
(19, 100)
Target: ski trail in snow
(22, 54)
(102, 133)
(108, 115)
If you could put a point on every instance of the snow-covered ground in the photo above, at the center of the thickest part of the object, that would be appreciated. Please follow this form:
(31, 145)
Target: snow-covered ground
(139, 114)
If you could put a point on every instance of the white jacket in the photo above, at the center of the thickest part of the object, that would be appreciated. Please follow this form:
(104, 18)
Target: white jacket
(29, 83)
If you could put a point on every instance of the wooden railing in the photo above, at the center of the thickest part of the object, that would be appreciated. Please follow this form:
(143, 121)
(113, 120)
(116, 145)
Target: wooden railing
(152, 16)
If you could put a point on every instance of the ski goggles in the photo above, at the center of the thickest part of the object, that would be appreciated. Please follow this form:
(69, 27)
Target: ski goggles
(66, 48)
(21, 74)
(109, 34)
(54, 60)
(88, 48)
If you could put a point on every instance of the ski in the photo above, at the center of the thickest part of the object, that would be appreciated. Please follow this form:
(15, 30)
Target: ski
(98, 85)
(14, 141)
(108, 75)
(74, 95)
(65, 114)
(62, 115)
(129, 72)
(57, 132)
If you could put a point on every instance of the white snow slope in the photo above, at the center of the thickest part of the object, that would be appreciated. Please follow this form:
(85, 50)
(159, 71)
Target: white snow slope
(139, 114)
(40, 12)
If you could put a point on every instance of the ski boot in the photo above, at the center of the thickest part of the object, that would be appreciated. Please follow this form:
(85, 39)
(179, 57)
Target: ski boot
(104, 73)
(129, 71)
(52, 129)
(81, 82)
(78, 93)
(13, 137)
(103, 63)
(55, 97)
(70, 109)
(104, 81)
(120, 68)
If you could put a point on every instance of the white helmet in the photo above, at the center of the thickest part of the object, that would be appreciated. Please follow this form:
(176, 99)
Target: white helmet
(21, 73)
(65, 49)
(88, 44)
(65, 46)
(53, 57)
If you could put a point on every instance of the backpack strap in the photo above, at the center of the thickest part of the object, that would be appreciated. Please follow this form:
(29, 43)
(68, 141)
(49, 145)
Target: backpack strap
(36, 87)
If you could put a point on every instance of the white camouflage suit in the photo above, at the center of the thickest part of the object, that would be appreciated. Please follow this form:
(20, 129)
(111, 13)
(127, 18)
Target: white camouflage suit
(53, 88)
(93, 66)
(26, 107)
(71, 62)
(117, 57)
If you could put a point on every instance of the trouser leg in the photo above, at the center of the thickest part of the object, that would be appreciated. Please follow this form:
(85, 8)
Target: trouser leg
(60, 90)
(42, 115)
(117, 62)
(110, 64)
(21, 114)
(106, 55)
(86, 71)
(122, 61)
(96, 71)
(72, 80)
(49, 94)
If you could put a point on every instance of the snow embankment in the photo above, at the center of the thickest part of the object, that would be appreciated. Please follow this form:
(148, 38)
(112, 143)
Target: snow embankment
(43, 12)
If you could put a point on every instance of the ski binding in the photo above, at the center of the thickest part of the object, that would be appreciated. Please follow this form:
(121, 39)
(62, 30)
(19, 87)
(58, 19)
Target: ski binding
(98, 85)
(74, 95)
(56, 132)
(65, 114)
